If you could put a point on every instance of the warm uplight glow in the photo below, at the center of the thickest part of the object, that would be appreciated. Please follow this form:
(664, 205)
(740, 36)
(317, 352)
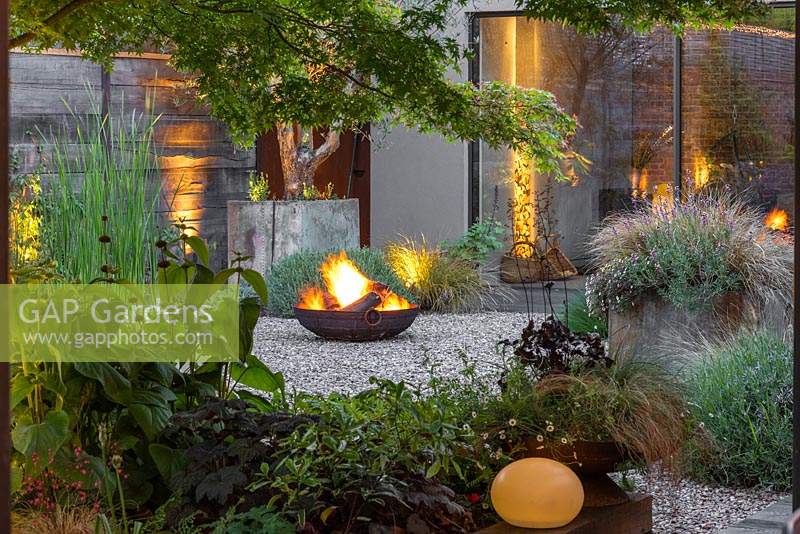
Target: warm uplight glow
(25, 224)
(346, 284)
(701, 172)
(777, 220)
(663, 199)
(522, 208)
(640, 180)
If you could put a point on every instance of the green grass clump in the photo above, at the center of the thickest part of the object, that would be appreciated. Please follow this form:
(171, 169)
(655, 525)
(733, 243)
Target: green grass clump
(741, 395)
(439, 281)
(290, 275)
(115, 159)
(580, 320)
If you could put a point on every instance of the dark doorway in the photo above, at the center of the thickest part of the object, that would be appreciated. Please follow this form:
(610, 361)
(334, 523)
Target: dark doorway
(348, 169)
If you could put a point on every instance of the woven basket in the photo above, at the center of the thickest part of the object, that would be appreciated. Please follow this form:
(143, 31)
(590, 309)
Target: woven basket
(552, 265)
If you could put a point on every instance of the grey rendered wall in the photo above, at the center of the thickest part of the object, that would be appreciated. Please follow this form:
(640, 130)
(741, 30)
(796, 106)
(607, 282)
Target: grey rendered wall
(419, 185)
(419, 182)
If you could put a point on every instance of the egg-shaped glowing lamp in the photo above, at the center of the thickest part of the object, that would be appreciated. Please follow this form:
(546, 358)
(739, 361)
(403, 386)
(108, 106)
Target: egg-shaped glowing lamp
(537, 493)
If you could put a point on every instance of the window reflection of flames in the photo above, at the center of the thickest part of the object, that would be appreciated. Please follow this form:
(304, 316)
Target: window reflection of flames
(777, 220)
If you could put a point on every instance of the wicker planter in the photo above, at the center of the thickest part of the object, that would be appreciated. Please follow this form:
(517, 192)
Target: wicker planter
(553, 265)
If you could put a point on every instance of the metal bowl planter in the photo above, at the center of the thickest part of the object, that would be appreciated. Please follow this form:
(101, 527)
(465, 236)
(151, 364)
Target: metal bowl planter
(370, 325)
(591, 461)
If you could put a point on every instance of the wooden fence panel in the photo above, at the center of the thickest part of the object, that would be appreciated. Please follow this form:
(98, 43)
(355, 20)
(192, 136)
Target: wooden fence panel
(200, 167)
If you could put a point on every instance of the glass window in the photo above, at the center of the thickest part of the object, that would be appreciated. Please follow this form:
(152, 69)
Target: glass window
(737, 106)
(618, 85)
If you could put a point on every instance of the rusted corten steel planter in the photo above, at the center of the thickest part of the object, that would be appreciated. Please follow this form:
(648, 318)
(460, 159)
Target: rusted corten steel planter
(356, 326)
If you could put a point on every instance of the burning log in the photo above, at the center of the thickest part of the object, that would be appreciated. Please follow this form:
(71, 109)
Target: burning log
(314, 298)
(380, 288)
(330, 301)
(365, 303)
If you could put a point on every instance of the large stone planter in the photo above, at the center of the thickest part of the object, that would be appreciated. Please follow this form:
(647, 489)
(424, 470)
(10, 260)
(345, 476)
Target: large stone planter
(645, 328)
(271, 230)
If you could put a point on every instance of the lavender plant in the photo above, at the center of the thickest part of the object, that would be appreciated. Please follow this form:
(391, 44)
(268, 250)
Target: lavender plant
(740, 394)
(687, 252)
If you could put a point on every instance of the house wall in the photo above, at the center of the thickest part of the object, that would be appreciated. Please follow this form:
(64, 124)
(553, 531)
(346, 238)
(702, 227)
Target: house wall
(420, 182)
(741, 81)
(200, 167)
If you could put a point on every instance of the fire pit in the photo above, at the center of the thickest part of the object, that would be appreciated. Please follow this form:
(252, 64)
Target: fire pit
(352, 307)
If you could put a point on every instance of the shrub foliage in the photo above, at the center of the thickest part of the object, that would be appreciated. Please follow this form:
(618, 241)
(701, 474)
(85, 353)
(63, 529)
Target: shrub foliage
(741, 394)
(687, 253)
(440, 281)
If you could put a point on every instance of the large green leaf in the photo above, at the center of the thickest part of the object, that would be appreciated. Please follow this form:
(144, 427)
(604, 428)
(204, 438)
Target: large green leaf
(257, 375)
(223, 276)
(256, 401)
(203, 275)
(258, 283)
(249, 312)
(163, 373)
(20, 387)
(176, 274)
(168, 460)
(199, 246)
(43, 439)
(115, 385)
(151, 411)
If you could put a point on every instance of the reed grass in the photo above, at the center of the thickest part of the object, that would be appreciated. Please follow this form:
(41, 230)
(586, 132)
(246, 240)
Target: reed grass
(115, 160)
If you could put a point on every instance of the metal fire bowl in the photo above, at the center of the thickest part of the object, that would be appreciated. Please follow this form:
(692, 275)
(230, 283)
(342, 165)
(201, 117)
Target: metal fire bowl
(356, 326)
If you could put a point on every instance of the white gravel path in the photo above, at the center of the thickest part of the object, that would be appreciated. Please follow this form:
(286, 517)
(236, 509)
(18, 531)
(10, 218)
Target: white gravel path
(685, 506)
(312, 364)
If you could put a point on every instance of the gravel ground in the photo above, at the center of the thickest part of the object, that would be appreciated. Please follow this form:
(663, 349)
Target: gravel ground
(312, 364)
(684, 506)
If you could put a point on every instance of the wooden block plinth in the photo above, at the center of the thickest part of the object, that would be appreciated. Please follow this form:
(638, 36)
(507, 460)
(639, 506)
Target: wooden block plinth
(633, 517)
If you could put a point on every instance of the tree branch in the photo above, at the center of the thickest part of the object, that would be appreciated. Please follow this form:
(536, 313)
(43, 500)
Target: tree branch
(325, 150)
(55, 18)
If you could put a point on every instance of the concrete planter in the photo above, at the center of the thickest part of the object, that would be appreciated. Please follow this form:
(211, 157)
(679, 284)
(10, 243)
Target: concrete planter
(271, 230)
(642, 329)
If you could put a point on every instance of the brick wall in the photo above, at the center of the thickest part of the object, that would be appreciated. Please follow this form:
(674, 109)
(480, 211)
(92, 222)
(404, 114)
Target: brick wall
(737, 109)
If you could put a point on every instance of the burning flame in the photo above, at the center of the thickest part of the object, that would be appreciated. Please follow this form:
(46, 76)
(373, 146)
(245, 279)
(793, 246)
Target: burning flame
(346, 284)
(392, 301)
(344, 280)
(777, 220)
(312, 298)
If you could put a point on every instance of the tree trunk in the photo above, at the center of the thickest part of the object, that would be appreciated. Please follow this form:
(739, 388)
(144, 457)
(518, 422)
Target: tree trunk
(300, 162)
